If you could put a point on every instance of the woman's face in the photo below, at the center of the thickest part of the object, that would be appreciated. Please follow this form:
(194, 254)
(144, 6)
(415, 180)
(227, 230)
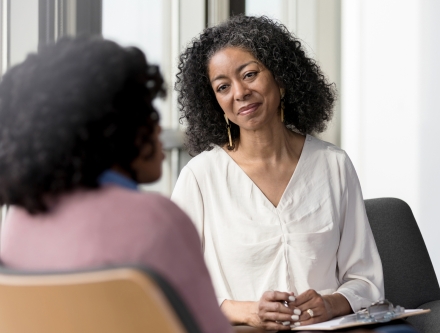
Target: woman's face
(147, 167)
(245, 89)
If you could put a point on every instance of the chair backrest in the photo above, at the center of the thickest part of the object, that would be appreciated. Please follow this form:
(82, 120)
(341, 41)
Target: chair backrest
(112, 300)
(409, 276)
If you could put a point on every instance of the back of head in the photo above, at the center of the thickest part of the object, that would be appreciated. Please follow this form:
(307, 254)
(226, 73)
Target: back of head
(70, 112)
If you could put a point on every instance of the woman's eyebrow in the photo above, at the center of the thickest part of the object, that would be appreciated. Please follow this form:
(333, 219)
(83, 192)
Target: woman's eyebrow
(238, 70)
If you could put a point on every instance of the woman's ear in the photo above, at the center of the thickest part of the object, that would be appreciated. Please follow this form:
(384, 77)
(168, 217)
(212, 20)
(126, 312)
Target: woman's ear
(147, 166)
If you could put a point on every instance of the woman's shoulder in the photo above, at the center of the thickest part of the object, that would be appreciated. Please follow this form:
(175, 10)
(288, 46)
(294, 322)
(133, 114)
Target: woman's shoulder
(323, 153)
(206, 160)
(152, 208)
(122, 194)
(143, 202)
(324, 148)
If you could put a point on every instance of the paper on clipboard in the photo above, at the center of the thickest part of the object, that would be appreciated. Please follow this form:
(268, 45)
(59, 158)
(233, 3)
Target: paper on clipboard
(350, 321)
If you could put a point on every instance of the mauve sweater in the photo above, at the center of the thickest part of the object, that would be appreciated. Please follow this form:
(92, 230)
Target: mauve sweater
(113, 225)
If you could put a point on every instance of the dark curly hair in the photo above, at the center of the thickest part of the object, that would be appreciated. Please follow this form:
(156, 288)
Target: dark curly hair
(308, 100)
(78, 107)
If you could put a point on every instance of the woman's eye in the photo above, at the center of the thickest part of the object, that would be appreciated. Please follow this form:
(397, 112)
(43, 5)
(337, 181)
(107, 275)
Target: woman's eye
(222, 87)
(250, 74)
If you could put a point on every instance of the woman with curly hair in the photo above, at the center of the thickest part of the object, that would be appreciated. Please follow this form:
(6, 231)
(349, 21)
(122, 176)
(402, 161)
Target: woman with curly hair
(280, 213)
(78, 132)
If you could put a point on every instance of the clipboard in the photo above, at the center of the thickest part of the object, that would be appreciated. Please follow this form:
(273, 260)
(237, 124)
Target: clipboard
(350, 321)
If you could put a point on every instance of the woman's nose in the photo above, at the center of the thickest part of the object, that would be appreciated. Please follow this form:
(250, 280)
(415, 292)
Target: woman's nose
(241, 91)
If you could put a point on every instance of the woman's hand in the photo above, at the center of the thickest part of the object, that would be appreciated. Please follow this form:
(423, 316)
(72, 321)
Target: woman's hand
(316, 308)
(273, 311)
(270, 312)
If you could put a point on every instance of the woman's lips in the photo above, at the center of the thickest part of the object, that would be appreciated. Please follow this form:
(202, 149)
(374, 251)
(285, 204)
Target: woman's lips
(244, 110)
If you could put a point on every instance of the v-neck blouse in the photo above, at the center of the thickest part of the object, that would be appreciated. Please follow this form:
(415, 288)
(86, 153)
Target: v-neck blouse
(317, 237)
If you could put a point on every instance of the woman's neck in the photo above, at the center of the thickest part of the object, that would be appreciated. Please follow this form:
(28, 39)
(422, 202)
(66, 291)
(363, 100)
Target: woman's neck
(271, 143)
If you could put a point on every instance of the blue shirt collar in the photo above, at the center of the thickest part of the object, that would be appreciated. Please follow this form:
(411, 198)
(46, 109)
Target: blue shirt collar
(115, 178)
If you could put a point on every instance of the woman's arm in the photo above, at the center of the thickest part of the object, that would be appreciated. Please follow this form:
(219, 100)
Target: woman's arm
(186, 194)
(241, 312)
(359, 264)
(337, 305)
(359, 267)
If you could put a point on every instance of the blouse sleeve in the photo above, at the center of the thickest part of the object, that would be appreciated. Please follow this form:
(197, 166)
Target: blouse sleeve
(188, 197)
(359, 265)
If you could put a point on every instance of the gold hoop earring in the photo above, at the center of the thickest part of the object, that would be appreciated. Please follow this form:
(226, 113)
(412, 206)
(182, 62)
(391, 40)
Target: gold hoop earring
(282, 104)
(228, 126)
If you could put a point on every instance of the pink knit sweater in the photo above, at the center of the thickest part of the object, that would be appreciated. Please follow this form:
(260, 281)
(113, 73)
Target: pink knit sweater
(114, 225)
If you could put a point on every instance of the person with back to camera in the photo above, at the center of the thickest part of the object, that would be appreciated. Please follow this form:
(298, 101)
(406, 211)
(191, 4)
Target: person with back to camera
(280, 213)
(78, 132)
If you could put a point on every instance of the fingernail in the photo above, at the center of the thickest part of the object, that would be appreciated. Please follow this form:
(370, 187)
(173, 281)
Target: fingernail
(286, 323)
(296, 324)
(297, 311)
(295, 317)
(292, 298)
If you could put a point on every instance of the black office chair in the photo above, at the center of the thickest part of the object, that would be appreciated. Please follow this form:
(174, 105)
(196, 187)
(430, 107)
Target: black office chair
(111, 300)
(410, 279)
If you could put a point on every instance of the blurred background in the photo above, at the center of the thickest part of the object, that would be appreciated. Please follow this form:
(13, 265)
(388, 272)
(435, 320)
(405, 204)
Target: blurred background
(383, 56)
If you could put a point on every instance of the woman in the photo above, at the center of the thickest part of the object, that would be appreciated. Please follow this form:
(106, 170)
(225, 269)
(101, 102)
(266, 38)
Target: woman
(279, 212)
(78, 132)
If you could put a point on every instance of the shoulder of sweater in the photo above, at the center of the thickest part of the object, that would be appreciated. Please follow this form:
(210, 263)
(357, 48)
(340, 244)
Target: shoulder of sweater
(134, 198)
(149, 204)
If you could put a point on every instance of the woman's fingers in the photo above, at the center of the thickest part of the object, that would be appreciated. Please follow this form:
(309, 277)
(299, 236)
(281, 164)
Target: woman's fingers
(266, 306)
(313, 308)
(275, 311)
(273, 296)
(276, 316)
(306, 297)
(310, 299)
(308, 319)
(275, 326)
(313, 316)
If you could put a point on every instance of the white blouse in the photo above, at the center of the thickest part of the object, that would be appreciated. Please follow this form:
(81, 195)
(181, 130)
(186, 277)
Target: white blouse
(318, 237)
